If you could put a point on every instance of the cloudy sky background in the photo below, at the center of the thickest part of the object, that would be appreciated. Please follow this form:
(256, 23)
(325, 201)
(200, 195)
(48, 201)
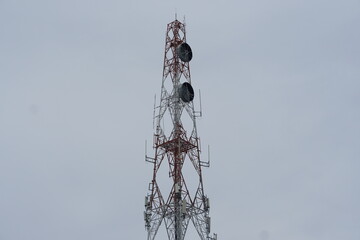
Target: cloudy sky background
(280, 99)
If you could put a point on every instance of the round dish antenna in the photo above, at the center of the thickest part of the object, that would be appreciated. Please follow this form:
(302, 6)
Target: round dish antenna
(186, 92)
(184, 52)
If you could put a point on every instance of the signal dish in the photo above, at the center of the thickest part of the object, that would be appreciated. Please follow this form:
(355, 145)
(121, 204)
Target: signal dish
(186, 92)
(184, 52)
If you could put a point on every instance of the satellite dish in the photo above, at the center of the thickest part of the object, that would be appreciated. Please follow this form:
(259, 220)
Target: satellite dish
(184, 52)
(186, 92)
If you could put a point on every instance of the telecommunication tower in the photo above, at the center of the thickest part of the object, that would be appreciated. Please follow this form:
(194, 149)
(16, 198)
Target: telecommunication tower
(174, 148)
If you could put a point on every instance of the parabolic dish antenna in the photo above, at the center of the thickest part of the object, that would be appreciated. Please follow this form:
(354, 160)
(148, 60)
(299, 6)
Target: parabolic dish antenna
(186, 92)
(184, 52)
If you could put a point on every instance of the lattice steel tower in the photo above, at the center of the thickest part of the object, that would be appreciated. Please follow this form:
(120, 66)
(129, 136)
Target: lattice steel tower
(176, 147)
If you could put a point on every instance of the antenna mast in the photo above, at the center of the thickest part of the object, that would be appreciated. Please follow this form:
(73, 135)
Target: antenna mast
(176, 147)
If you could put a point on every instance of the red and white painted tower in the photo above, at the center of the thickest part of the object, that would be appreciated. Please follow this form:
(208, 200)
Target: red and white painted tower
(174, 148)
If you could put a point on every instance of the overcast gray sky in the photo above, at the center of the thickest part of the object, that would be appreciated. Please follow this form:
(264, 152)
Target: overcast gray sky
(280, 97)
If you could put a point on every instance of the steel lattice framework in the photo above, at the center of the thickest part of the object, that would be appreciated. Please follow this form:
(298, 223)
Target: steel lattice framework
(176, 147)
